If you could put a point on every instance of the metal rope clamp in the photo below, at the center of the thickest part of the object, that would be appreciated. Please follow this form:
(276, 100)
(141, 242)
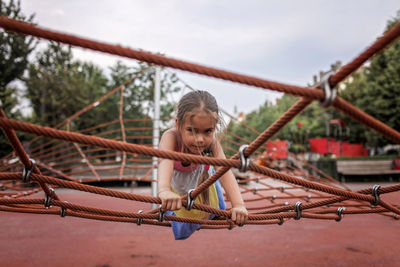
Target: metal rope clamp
(329, 93)
(26, 172)
(47, 200)
(139, 220)
(63, 212)
(161, 215)
(230, 225)
(244, 161)
(297, 210)
(190, 200)
(375, 194)
(339, 212)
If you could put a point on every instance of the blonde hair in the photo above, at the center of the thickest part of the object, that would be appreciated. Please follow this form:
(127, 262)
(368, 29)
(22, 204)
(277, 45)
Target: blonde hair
(189, 105)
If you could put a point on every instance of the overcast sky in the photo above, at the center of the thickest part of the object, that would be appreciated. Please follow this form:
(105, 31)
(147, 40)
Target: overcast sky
(286, 41)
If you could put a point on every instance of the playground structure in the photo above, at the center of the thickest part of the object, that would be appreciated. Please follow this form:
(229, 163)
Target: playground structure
(318, 197)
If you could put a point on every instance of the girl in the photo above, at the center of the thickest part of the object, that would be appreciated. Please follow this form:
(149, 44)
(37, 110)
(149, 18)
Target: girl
(194, 133)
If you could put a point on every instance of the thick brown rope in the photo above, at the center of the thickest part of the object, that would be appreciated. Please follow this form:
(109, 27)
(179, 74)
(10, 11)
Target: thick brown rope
(25, 28)
(388, 189)
(20, 151)
(112, 144)
(148, 199)
(107, 212)
(366, 119)
(298, 107)
(371, 51)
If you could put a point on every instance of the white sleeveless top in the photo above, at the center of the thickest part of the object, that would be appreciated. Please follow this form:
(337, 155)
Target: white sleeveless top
(183, 181)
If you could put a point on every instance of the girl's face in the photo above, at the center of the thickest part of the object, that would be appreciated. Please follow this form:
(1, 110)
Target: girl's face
(197, 132)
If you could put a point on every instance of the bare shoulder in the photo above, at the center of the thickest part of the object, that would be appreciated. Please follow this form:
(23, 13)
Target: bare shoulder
(168, 139)
(170, 133)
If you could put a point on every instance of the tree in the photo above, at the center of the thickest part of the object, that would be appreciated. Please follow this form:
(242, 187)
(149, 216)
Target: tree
(59, 86)
(314, 121)
(354, 90)
(14, 52)
(382, 99)
(375, 90)
(139, 94)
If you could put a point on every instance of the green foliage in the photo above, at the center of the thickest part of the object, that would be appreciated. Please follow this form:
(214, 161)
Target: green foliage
(14, 52)
(376, 90)
(58, 86)
(308, 124)
(14, 48)
(355, 91)
(139, 94)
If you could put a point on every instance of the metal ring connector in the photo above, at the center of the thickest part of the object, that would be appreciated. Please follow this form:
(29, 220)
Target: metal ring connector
(280, 221)
(230, 225)
(47, 200)
(339, 213)
(297, 210)
(139, 220)
(329, 93)
(63, 211)
(26, 172)
(375, 194)
(161, 215)
(244, 161)
(190, 200)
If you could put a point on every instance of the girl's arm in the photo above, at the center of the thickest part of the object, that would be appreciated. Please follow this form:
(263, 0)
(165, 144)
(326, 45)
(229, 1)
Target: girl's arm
(231, 187)
(169, 200)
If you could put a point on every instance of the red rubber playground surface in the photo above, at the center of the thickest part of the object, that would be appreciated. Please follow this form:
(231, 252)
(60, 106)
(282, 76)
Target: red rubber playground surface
(49, 240)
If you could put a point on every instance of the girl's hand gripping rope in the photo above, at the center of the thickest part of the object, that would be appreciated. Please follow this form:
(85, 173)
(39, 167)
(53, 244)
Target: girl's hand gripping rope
(169, 200)
(239, 215)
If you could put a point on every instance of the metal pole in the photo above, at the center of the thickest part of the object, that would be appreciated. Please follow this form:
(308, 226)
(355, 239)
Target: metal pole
(156, 129)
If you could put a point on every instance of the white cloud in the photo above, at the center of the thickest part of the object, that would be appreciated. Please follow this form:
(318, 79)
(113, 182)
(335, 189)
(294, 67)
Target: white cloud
(57, 12)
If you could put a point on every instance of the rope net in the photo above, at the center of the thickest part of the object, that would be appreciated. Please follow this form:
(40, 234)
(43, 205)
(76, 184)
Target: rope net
(274, 192)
